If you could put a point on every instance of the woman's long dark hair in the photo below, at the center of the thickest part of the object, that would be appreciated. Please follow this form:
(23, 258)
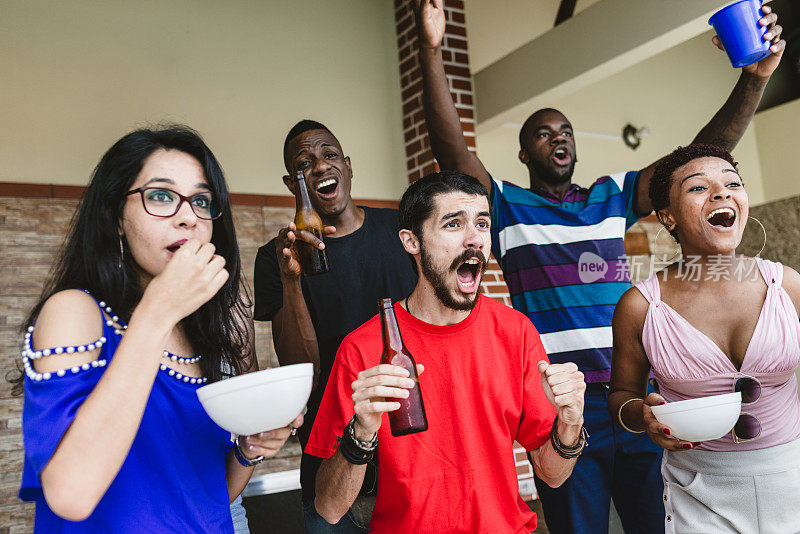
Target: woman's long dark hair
(90, 257)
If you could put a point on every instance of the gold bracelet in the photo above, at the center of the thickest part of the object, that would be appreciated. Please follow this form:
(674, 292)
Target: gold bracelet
(619, 416)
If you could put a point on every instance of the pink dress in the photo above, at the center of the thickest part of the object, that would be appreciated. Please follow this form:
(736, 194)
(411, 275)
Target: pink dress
(688, 364)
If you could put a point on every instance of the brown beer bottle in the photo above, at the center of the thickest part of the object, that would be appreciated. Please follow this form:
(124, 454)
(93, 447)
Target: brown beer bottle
(410, 418)
(312, 260)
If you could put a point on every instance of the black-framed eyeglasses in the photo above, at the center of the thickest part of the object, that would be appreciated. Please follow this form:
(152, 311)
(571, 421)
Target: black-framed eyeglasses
(164, 202)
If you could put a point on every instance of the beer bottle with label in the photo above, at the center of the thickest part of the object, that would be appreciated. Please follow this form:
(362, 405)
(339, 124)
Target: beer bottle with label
(410, 418)
(312, 260)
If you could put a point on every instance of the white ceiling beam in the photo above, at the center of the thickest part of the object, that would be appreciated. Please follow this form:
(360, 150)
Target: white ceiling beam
(598, 42)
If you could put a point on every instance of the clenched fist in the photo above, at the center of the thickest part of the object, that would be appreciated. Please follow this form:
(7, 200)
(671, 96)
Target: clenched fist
(564, 387)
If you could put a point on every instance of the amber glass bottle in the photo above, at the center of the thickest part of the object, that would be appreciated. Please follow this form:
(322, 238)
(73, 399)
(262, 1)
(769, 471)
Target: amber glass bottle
(312, 260)
(410, 417)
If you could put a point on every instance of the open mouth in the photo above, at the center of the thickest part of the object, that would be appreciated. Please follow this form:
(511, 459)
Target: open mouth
(176, 245)
(327, 188)
(468, 275)
(561, 156)
(721, 217)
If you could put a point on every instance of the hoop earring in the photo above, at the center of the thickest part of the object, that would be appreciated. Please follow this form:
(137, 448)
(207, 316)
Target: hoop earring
(765, 236)
(121, 254)
(655, 242)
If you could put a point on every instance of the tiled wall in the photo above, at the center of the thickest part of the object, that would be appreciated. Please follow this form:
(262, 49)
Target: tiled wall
(32, 229)
(781, 220)
(30, 232)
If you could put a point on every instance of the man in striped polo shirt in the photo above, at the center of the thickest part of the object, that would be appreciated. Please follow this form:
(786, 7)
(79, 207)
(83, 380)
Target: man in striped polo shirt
(561, 255)
(561, 249)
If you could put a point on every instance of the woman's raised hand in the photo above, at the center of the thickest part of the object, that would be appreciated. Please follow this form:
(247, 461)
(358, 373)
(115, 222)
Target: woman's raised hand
(191, 278)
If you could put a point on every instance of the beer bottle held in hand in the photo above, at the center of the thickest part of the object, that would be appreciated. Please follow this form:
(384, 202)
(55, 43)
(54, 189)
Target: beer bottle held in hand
(311, 259)
(410, 418)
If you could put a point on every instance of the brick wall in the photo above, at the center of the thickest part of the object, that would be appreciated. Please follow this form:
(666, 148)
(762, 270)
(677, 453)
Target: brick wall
(419, 159)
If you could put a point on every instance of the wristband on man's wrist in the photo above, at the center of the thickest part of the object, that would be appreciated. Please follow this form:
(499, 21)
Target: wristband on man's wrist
(567, 451)
(355, 451)
(244, 460)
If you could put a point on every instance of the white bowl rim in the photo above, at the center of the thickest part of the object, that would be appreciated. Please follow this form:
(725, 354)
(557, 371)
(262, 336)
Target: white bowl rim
(257, 378)
(710, 401)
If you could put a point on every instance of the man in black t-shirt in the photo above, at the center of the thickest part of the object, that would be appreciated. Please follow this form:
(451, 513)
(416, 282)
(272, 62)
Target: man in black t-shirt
(311, 315)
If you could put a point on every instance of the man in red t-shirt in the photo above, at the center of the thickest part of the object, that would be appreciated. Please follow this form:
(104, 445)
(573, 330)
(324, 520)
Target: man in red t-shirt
(487, 383)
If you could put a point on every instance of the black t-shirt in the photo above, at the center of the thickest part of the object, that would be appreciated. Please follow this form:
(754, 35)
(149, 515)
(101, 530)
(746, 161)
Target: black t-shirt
(365, 266)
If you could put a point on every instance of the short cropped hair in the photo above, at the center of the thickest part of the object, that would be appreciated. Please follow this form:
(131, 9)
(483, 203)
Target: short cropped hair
(301, 127)
(417, 203)
(661, 182)
(530, 123)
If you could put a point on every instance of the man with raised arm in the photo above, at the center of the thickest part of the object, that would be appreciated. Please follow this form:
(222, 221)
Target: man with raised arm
(311, 315)
(561, 249)
(486, 383)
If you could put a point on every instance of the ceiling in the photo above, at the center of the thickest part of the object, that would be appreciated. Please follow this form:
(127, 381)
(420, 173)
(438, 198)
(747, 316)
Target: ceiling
(497, 28)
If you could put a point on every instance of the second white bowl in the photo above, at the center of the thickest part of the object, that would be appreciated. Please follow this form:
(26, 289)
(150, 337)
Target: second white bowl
(260, 401)
(700, 419)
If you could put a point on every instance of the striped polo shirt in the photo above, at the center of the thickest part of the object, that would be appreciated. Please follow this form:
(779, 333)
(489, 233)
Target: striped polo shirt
(564, 263)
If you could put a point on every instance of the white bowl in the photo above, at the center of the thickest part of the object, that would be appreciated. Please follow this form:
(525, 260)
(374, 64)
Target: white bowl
(260, 401)
(701, 419)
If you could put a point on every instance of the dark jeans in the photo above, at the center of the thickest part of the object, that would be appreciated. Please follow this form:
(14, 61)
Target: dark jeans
(316, 524)
(615, 463)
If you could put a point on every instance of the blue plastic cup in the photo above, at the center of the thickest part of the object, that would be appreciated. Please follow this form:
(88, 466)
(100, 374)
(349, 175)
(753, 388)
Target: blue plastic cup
(741, 35)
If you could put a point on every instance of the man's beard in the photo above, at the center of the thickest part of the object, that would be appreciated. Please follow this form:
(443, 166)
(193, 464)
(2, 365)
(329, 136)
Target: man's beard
(552, 175)
(438, 277)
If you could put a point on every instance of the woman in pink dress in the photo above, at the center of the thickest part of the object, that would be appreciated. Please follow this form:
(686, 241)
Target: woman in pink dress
(714, 322)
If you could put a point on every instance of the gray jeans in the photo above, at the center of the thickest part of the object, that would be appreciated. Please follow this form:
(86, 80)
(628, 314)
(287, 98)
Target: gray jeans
(239, 517)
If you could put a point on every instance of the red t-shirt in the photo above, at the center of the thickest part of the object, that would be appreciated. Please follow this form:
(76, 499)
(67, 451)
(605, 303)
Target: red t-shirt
(482, 391)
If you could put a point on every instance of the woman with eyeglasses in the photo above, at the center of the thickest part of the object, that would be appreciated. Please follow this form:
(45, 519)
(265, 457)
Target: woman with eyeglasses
(143, 306)
(711, 323)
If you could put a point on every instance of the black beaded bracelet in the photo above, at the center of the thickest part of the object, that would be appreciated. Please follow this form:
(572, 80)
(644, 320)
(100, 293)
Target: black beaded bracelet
(355, 451)
(567, 451)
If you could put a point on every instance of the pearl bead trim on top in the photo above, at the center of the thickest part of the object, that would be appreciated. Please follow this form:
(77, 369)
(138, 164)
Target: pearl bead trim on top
(29, 354)
(176, 358)
(167, 354)
(182, 377)
(35, 354)
(119, 326)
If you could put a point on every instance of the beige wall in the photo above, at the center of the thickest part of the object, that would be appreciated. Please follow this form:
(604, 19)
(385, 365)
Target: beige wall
(777, 132)
(674, 93)
(78, 75)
